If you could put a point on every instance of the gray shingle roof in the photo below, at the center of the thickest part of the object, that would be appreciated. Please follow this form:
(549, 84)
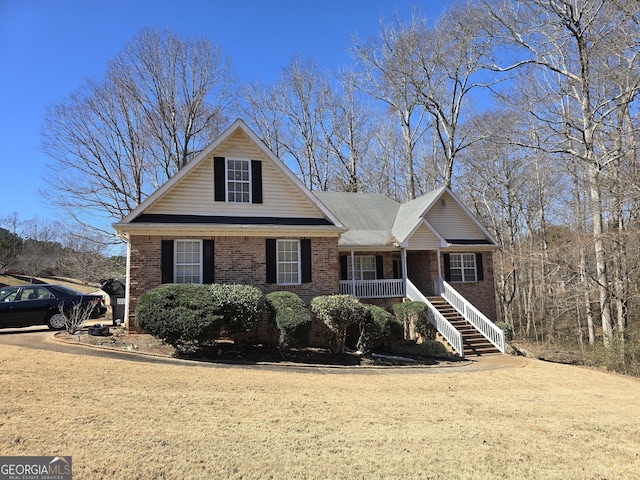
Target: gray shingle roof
(412, 212)
(368, 216)
(374, 220)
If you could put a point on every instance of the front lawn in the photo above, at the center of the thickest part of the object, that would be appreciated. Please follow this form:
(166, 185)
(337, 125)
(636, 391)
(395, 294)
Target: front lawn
(125, 419)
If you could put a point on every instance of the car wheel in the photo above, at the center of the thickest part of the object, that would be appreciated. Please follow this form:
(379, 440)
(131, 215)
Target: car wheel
(56, 321)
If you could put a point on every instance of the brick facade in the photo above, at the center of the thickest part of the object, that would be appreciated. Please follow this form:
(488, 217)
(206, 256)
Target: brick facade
(236, 260)
(481, 294)
(422, 270)
(243, 260)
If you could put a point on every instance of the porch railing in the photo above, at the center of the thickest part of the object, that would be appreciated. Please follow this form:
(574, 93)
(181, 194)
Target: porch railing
(472, 315)
(373, 288)
(444, 327)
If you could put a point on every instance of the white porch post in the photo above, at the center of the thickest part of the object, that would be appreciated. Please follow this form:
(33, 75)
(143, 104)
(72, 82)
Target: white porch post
(438, 290)
(127, 290)
(404, 270)
(353, 274)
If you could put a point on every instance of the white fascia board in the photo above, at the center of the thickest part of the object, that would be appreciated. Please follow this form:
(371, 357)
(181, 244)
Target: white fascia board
(369, 248)
(156, 229)
(483, 247)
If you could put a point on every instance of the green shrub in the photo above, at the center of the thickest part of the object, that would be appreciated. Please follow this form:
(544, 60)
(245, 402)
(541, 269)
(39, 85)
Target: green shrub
(377, 327)
(181, 315)
(415, 318)
(291, 317)
(240, 307)
(507, 328)
(338, 312)
(434, 348)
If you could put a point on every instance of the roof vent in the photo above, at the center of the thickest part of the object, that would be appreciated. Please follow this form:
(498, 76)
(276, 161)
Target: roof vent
(443, 203)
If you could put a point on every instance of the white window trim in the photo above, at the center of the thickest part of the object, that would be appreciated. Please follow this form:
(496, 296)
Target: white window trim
(175, 258)
(475, 267)
(278, 282)
(226, 180)
(351, 271)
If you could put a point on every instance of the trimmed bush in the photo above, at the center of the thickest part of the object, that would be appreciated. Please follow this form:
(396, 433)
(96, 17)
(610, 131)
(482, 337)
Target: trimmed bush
(507, 328)
(240, 307)
(433, 348)
(338, 312)
(181, 315)
(291, 317)
(415, 318)
(379, 326)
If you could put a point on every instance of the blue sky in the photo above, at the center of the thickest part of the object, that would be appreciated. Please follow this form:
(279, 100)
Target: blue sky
(48, 48)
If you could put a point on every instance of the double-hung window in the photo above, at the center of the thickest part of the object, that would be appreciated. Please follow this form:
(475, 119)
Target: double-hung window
(288, 262)
(462, 267)
(238, 181)
(188, 261)
(364, 267)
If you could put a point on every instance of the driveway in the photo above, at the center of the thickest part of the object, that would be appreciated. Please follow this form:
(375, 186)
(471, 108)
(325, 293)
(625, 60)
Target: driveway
(41, 338)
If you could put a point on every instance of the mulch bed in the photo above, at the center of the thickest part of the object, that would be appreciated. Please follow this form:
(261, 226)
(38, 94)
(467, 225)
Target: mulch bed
(226, 351)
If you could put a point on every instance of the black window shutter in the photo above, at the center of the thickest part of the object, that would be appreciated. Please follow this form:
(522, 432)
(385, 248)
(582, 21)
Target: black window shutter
(343, 267)
(379, 267)
(479, 271)
(166, 261)
(207, 262)
(256, 181)
(219, 183)
(447, 268)
(271, 260)
(305, 254)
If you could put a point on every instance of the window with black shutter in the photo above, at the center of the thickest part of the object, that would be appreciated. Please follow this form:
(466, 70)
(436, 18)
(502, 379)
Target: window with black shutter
(237, 180)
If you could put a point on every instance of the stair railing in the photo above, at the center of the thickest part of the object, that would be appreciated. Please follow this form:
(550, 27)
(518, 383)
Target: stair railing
(472, 315)
(444, 327)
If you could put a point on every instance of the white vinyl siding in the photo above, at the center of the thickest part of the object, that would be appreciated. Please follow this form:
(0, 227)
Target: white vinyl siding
(194, 194)
(188, 261)
(288, 262)
(451, 222)
(238, 181)
(423, 239)
(364, 266)
(462, 267)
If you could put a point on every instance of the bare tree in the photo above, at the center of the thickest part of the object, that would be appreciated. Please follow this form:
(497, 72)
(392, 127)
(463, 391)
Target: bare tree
(450, 63)
(570, 44)
(301, 95)
(384, 71)
(348, 130)
(115, 139)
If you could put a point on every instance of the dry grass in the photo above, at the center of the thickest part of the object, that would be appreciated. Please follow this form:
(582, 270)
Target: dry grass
(131, 420)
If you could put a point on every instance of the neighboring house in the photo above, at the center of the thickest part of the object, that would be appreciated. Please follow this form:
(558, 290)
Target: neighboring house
(236, 214)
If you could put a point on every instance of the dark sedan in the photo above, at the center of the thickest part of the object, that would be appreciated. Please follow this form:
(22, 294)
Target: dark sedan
(27, 305)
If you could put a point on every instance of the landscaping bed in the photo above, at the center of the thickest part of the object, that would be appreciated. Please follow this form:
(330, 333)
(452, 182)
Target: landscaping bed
(225, 351)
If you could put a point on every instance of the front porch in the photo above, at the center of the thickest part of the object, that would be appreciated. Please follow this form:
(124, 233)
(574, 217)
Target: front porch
(394, 288)
(419, 275)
